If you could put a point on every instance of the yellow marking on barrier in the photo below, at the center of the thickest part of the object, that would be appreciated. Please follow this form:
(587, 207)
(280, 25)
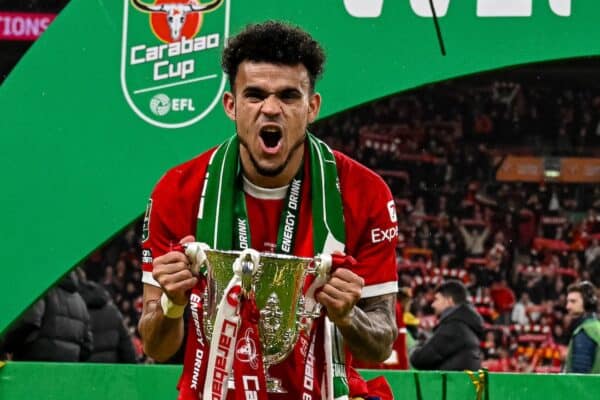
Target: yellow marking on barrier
(479, 382)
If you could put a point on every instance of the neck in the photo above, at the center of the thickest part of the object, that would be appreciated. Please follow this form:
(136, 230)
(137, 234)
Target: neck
(292, 165)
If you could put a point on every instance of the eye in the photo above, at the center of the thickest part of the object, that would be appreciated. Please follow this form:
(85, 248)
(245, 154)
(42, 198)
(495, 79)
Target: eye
(254, 96)
(170, 19)
(290, 95)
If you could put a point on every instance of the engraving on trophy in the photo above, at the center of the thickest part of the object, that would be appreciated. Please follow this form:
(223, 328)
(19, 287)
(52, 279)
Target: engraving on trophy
(271, 320)
(208, 326)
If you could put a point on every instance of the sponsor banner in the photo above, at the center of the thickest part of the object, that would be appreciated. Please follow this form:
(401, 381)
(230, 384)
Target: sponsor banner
(531, 169)
(580, 170)
(522, 169)
(23, 26)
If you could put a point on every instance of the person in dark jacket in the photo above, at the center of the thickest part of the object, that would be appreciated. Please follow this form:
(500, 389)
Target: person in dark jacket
(584, 347)
(55, 328)
(454, 345)
(111, 343)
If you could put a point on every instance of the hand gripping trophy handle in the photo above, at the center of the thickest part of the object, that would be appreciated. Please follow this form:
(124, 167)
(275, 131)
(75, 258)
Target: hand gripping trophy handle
(195, 252)
(310, 308)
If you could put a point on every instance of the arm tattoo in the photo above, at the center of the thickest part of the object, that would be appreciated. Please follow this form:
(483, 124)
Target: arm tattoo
(373, 330)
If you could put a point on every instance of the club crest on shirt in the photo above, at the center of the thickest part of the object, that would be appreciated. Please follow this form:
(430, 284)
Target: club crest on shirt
(391, 205)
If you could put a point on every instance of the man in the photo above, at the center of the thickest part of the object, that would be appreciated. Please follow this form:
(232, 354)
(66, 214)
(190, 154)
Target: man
(272, 69)
(454, 345)
(111, 340)
(55, 328)
(583, 356)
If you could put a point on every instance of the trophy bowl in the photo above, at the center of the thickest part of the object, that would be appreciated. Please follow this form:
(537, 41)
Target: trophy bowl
(277, 283)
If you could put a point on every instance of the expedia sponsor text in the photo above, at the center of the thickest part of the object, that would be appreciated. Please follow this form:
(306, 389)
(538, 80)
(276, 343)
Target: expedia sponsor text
(379, 235)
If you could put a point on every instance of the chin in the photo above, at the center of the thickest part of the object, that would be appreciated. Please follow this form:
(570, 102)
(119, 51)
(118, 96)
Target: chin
(269, 169)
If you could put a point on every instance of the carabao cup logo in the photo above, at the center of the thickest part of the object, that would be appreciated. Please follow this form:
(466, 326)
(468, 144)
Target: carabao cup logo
(170, 65)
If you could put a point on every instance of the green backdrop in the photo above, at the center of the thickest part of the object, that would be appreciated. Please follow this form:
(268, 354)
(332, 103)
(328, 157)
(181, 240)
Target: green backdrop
(77, 164)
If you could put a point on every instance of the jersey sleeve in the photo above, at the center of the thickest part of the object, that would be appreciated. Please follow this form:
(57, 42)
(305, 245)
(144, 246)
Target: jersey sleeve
(371, 228)
(171, 212)
(157, 236)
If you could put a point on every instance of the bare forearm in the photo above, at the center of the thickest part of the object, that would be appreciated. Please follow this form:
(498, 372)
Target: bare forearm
(161, 336)
(372, 328)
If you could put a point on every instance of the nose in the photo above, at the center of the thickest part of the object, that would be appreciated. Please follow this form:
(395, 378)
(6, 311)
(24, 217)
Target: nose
(271, 105)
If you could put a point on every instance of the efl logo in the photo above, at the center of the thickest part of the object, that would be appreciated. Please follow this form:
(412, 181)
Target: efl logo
(161, 104)
(170, 63)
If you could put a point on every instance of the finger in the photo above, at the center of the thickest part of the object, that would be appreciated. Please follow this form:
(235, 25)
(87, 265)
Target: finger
(170, 268)
(187, 239)
(335, 308)
(178, 291)
(330, 302)
(171, 257)
(182, 286)
(345, 285)
(345, 296)
(332, 291)
(176, 277)
(162, 270)
(348, 276)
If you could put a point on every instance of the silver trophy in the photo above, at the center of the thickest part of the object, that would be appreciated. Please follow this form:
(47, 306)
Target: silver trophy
(276, 281)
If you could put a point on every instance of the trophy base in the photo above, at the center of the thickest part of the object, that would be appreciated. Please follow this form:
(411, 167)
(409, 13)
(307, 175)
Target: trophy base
(274, 385)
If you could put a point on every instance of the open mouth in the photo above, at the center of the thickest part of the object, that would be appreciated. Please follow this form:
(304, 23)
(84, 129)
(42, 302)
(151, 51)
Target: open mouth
(271, 136)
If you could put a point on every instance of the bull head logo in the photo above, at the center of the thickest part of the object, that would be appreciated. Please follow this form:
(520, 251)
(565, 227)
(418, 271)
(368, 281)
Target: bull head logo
(176, 13)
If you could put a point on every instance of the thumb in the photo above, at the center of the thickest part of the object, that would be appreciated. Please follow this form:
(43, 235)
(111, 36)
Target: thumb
(187, 239)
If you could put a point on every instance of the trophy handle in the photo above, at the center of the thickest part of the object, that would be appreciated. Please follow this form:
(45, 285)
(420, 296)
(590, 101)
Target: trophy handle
(195, 252)
(247, 265)
(309, 309)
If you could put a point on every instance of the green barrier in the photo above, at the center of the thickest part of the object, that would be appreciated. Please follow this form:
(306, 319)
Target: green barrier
(25, 380)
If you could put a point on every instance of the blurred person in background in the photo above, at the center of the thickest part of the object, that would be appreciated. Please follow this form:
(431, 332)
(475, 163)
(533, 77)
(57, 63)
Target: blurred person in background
(56, 328)
(454, 345)
(111, 340)
(583, 356)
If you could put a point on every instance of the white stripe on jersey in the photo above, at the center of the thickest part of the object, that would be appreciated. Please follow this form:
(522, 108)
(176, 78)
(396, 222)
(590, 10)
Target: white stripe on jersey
(379, 289)
(147, 278)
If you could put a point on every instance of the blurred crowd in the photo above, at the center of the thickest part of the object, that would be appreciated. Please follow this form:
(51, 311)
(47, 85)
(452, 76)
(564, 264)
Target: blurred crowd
(517, 246)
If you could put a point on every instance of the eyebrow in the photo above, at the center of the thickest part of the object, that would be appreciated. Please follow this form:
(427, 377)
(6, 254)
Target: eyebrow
(256, 89)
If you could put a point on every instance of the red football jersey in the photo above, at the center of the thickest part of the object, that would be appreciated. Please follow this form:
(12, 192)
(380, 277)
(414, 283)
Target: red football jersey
(369, 216)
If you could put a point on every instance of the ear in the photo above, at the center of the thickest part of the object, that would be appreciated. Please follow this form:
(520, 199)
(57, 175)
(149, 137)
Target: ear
(229, 105)
(314, 106)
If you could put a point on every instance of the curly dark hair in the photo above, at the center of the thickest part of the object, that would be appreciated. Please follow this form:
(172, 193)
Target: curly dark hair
(274, 42)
